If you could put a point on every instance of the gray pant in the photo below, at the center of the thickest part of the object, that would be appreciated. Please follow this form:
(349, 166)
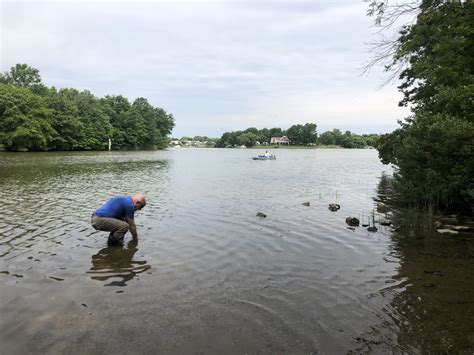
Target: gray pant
(116, 227)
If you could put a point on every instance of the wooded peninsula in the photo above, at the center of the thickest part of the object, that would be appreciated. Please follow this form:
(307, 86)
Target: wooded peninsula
(34, 117)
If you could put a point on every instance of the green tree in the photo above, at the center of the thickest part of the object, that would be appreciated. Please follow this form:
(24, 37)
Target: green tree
(327, 138)
(338, 137)
(25, 120)
(224, 140)
(264, 135)
(437, 81)
(276, 132)
(115, 107)
(248, 139)
(164, 123)
(132, 129)
(251, 130)
(24, 76)
(309, 134)
(371, 139)
(66, 121)
(158, 123)
(295, 134)
(232, 139)
(96, 122)
(41, 118)
(151, 134)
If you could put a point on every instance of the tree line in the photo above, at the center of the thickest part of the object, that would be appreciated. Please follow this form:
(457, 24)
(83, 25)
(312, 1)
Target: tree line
(433, 149)
(301, 135)
(34, 117)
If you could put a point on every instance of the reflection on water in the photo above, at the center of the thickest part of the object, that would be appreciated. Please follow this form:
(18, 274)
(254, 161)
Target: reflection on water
(225, 280)
(433, 299)
(117, 265)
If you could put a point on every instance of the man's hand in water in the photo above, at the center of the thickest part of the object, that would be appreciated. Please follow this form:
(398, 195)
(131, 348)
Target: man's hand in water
(133, 229)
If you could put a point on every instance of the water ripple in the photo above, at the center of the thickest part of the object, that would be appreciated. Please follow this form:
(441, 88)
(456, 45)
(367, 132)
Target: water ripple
(297, 280)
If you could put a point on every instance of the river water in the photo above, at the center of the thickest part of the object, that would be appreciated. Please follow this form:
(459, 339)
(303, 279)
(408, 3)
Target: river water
(210, 276)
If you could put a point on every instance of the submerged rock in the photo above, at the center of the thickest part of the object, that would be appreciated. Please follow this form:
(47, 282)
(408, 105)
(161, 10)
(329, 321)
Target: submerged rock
(352, 221)
(457, 228)
(366, 224)
(385, 222)
(262, 215)
(447, 231)
(334, 207)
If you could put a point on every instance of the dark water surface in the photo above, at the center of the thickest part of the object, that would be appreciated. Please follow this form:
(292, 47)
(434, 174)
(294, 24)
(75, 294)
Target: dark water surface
(208, 275)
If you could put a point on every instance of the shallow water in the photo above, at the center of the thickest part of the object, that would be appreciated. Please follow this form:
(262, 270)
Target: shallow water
(208, 275)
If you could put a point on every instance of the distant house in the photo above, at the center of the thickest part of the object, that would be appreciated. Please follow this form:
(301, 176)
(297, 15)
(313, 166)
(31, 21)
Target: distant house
(280, 140)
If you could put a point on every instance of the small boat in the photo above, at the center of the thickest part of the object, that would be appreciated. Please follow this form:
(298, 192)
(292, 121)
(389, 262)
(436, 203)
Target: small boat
(265, 157)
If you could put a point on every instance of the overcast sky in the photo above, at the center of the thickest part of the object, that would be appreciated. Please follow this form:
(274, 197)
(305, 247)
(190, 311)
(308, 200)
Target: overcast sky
(217, 66)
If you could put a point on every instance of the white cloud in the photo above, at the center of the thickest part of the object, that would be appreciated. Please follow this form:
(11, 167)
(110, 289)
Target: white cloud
(216, 65)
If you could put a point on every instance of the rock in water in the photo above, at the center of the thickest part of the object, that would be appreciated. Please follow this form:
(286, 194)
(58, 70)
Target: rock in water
(457, 228)
(334, 207)
(372, 229)
(385, 222)
(447, 231)
(352, 221)
(306, 204)
(262, 215)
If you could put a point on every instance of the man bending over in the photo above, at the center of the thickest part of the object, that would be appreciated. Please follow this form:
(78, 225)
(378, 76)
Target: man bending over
(117, 217)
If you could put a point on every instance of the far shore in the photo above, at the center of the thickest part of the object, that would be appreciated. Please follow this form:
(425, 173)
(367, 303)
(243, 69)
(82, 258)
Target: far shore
(267, 147)
(264, 147)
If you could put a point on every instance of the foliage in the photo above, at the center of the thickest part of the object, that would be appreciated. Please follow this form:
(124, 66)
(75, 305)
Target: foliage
(302, 134)
(34, 117)
(347, 140)
(67, 123)
(434, 159)
(248, 139)
(433, 149)
(25, 120)
(298, 134)
(22, 75)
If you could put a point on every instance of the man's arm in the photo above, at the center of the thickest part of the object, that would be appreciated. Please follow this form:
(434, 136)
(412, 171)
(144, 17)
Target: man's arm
(133, 228)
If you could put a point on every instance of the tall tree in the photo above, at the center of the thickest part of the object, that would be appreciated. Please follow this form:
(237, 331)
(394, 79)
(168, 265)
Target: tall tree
(24, 76)
(25, 120)
(69, 129)
(115, 107)
(295, 134)
(302, 134)
(96, 123)
(159, 124)
(309, 133)
(433, 150)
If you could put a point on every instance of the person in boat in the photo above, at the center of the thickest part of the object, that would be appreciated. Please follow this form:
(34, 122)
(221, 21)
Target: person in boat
(117, 216)
(267, 154)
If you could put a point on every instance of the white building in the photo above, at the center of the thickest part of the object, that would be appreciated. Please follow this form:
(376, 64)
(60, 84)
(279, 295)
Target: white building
(280, 140)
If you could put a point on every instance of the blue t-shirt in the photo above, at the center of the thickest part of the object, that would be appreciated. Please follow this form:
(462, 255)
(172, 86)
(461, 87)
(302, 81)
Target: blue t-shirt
(118, 207)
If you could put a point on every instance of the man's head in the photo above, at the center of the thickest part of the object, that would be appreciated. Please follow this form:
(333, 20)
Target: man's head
(138, 201)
